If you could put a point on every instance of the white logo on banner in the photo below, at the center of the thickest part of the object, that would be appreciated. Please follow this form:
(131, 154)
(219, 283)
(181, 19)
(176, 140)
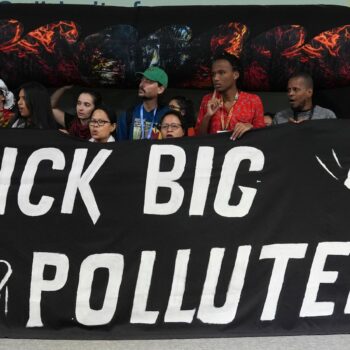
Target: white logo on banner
(341, 168)
(3, 284)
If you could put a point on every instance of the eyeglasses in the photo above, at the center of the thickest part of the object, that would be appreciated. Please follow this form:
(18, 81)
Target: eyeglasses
(170, 126)
(98, 122)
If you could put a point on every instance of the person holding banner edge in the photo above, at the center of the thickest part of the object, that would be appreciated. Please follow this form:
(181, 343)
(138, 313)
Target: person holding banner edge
(228, 109)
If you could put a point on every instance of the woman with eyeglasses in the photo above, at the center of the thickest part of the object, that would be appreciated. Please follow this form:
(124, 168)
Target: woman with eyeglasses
(102, 125)
(173, 124)
(185, 107)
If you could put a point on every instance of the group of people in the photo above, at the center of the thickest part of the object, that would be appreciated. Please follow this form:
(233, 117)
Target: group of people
(226, 109)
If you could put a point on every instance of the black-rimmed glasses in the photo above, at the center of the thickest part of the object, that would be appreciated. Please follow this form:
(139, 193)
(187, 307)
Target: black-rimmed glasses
(98, 122)
(170, 126)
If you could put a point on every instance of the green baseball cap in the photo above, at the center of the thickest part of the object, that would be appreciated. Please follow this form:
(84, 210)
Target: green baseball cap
(156, 74)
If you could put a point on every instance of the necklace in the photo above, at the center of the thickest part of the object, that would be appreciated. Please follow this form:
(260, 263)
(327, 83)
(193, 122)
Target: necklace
(304, 115)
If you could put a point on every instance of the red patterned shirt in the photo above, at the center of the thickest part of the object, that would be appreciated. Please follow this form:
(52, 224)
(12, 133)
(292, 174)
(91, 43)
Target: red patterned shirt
(247, 109)
(5, 116)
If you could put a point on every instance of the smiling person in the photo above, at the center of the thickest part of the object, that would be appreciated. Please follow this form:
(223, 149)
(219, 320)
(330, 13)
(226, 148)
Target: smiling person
(102, 125)
(34, 108)
(228, 108)
(76, 125)
(300, 90)
(140, 121)
(173, 124)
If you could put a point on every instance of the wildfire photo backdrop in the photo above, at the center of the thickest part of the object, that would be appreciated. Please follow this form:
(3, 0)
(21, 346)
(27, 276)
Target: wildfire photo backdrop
(105, 46)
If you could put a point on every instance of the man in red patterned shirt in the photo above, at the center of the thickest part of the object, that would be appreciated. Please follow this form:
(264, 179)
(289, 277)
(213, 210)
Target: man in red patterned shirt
(227, 108)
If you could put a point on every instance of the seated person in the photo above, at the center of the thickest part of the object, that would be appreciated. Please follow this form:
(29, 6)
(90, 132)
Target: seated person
(185, 107)
(7, 101)
(102, 125)
(300, 90)
(173, 124)
(228, 108)
(76, 125)
(34, 108)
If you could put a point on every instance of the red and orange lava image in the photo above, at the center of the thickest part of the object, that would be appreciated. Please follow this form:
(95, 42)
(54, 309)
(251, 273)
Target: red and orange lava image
(55, 54)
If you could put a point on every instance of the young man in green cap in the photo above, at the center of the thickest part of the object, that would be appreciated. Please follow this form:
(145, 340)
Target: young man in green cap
(140, 122)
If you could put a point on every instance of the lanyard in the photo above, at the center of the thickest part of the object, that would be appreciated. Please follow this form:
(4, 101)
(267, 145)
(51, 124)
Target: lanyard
(143, 126)
(224, 125)
(309, 113)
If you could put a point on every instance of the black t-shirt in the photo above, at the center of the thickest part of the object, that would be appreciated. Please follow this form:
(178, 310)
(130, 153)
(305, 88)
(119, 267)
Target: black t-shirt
(68, 119)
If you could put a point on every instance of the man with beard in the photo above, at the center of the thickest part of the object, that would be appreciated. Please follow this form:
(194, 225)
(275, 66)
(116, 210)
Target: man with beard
(140, 122)
(300, 90)
(228, 109)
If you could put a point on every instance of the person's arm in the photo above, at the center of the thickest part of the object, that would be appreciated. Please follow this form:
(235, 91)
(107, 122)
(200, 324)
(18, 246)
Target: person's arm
(257, 120)
(240, 129)
(203, 126)
(206, 112)
(57, 112)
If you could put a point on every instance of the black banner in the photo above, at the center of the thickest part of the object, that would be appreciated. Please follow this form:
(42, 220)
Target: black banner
(195, 237)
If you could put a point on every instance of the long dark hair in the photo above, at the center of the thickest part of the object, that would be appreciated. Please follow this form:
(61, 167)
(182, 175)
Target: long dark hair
(38, 102)
(186, 109)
